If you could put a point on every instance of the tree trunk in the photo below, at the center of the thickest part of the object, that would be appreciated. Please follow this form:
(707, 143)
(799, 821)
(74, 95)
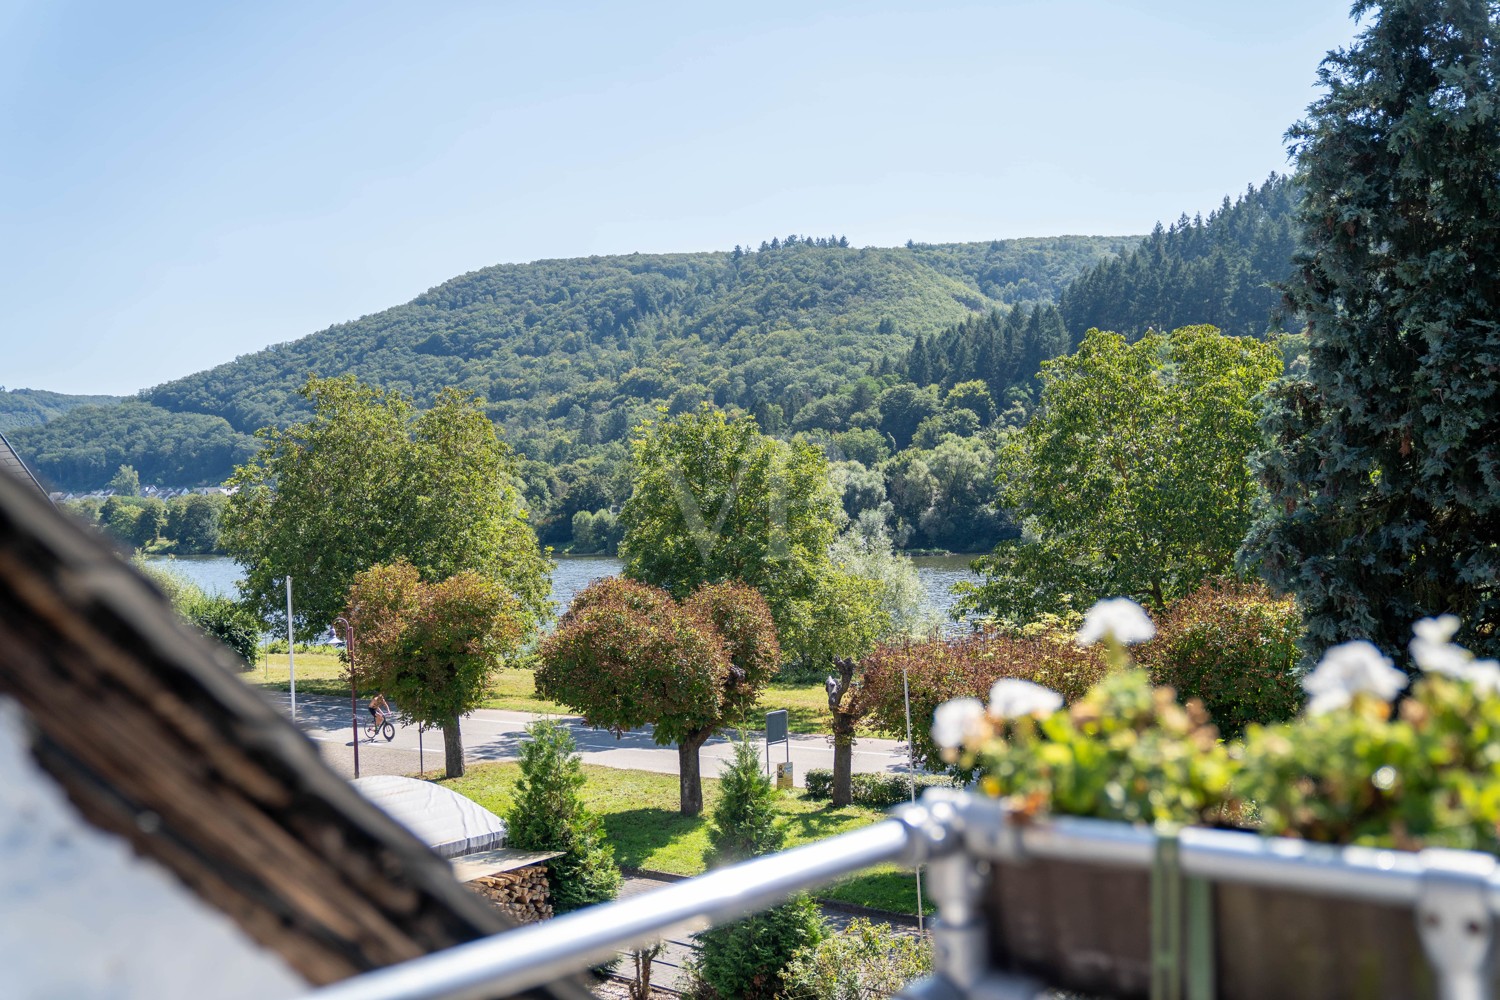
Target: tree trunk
(843, 761)
(689, 778)
(453, 749)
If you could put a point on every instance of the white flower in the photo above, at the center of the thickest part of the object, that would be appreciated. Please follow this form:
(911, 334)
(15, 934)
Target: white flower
(953, 720)
(1434, 650)
(1484, 675)
(1349, 669)
(1011, 699)
(1439, 630)
(1119, 617)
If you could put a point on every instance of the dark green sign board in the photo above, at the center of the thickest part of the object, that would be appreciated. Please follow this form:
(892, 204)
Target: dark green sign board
(776, 727)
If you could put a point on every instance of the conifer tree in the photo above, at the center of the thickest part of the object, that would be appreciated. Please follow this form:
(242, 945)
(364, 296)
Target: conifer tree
(549, 815)
(1384, 472)
(746, 959)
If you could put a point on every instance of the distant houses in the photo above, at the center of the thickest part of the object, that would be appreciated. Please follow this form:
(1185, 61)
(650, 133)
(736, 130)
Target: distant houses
(155, 492)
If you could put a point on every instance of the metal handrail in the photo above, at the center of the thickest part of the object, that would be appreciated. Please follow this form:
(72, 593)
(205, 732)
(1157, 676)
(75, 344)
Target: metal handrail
(1452, 892)
(540, 953)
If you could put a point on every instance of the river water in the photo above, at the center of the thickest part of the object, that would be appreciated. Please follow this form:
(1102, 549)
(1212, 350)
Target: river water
(218, 575)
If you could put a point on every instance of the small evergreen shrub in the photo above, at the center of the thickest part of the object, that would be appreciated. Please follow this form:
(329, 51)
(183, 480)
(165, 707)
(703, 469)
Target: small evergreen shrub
(743, 824)
(1233, 647)
(747, 960)
(548, 815)
(865, 961)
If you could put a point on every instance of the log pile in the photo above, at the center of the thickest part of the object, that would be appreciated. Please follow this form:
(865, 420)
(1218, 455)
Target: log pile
(522, 894)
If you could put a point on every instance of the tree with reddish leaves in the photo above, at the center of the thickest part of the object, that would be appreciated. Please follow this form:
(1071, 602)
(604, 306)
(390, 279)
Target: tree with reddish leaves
(627, 655)
(431, 647)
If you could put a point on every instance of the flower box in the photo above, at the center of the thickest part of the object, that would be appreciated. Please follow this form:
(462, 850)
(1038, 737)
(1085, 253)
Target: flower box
(1087, 927)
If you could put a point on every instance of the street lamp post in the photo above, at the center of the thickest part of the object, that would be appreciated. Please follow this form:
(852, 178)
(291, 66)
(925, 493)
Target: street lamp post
(353, 691)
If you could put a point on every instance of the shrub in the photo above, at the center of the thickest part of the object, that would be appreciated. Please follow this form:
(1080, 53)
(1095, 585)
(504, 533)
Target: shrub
(221, 618)
(744, 818)
(1426, 778)
(881, 791)
(1124, 751)
(747, 960)
(228, 621)
(874, 791)
(548, 815)
(863, 962)
(966, 667)
(1234, 647)
(1345, 771)
(819, 783)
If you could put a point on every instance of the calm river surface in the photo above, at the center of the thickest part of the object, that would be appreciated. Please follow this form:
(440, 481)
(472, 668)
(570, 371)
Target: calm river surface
(218, 575)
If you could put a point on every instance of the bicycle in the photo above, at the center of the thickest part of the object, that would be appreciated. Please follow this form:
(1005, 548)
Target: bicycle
(380, 726)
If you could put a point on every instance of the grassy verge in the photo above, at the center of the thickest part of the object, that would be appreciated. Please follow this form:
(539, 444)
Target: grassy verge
(639, 812)
(317, 673)
(806, 704)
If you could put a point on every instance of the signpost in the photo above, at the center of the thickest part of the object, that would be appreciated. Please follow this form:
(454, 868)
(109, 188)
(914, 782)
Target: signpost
(291, 652)
(776, 732)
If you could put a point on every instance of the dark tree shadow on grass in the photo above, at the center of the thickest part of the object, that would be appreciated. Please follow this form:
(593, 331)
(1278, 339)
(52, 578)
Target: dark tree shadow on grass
(638, 833)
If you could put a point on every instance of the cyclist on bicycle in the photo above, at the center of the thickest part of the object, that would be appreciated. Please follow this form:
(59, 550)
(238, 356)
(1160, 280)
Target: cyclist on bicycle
(380, 709)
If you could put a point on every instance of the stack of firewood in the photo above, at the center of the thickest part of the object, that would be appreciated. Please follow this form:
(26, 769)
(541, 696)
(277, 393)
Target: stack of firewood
(522, 893)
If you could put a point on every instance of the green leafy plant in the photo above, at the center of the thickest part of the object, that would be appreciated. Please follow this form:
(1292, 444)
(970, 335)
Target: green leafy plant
(865, 961)
(1233, 646)
(1347, 770)
(548, 815)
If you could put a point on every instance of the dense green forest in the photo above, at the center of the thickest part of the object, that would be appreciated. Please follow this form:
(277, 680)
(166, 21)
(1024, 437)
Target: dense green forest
(28, 407)
(909, 365)
(569, 355)
(1219, 271)
(573, 352)
(84, 447)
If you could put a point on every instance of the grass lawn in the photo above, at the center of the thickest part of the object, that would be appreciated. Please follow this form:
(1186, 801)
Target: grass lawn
(317, 673)
(806, 704)
(639, 813)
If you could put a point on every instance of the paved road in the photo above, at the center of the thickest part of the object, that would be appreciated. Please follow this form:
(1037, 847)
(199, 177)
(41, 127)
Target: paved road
(494, 735)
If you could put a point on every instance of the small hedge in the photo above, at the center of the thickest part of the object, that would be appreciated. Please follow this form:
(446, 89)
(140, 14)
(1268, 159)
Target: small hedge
(873, 791)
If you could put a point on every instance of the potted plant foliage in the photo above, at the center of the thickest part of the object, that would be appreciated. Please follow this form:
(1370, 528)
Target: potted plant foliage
(1352, 770)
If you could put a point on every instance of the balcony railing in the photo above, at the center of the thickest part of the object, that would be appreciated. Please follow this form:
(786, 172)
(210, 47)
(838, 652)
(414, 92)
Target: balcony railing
(1454, 895)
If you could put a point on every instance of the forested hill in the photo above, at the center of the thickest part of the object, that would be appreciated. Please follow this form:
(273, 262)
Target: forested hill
(1219, 271)
(569, 354)
(29, 407)
(773, 328)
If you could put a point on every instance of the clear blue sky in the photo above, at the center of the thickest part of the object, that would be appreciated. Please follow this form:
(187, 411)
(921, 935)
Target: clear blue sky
(184, 182)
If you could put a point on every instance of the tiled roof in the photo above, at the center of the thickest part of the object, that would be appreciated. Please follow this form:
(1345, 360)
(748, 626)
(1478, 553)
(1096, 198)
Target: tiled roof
(11, 462)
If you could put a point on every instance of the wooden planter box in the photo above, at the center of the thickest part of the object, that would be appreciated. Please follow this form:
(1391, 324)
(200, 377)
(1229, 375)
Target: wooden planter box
(1087, 927)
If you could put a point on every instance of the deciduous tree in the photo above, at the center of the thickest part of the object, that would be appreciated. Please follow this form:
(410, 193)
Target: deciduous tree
(716, 500)
(626, 655)
(1132, 477)
(369, 480)
(431, 647)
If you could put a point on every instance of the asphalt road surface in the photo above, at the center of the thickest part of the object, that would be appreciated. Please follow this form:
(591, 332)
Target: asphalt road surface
(494, 735)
